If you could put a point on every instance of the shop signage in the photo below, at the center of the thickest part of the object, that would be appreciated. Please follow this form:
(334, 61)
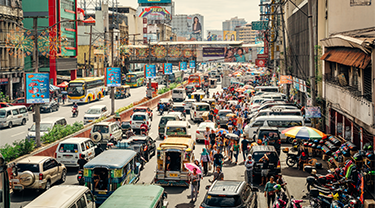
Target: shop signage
(286, 79)
(183, 66)
(260, 62)
(3, 81)
(313, 112)
(168, 68)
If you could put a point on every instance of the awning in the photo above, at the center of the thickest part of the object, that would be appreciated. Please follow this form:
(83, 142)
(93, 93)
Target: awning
(63, 84)
(347, 56)
(53, 88)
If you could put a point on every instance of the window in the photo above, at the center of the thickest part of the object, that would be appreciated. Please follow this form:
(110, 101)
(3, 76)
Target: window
(81, 203)
(83, 147)
(68, 148)
(30, 167)
(49, 164)
(15, 112)
(23, 110)
(257, 124)
(284, 124)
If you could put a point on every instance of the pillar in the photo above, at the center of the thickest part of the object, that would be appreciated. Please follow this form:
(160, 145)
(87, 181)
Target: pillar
(352, 132)
(343, 126)
(52, 71)
(10, 86)
(360, 138)
(73, 74)
(335, 123)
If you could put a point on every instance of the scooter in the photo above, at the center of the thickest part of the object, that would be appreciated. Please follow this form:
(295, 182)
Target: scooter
(161, 111)
(80, 178)
(295, 203)
(74, 112)
(279, 203)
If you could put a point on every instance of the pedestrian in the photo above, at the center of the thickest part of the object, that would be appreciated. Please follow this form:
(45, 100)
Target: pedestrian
(194, 178)
(59, 98)
(205, 159)
(206, 137)
(211, 116)
(212, 137)
(244, 147)
(196, 162)
(269, 192)
(236, 150)
(218, 159)
(218, 175)
(63, 99)
(249, 164)
(237, 132)
(265, 168)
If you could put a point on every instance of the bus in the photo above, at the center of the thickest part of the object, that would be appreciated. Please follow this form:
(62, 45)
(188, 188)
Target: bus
(86, 89)
(135, 79)
(196, 78)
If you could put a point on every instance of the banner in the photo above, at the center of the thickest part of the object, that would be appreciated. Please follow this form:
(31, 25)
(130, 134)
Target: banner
(194, 30)
(150, 71)
(183, 66)
(296, 83)
(313, 112)
(155, 12)
(237, 54)
(260, 62)
(214, 35)
(154, 1)
(286, 79)
(192, 65)
(168, 68)
(213, 52)
(230, 35)
(37, 87)
(113, 77)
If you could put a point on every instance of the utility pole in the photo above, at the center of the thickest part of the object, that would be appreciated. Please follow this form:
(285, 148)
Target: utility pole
(90, 49)
(36, 70)
(312, 57)
(112, 88)
(285, 55)
(167, 64)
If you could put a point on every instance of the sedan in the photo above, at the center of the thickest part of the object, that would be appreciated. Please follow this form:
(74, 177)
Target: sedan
(199, 134)
(49, 107)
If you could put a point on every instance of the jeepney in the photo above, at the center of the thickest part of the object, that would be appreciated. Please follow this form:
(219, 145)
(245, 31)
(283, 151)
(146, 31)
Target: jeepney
(212, 83)
(198, 95)
(122, 92)
(172, 154)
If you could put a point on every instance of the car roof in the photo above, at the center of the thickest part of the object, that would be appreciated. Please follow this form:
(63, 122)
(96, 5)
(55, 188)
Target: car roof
(34, 159)
(226, 187)
(268, 128)
(13, 107)
(140, 113)
(171, 115)
(200, 103)
(179, 105)
(138, 137)
(279, 117)
(75, 140)
(97, 106)
(225, 110)
(53, 119)
(103, 123)
(206, 124)
(177, 123)
(112, 159)
(263, 148)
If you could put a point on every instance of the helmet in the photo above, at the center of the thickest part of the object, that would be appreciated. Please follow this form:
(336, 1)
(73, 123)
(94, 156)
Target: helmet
(277, 187)
(357, 156)
(313, 172)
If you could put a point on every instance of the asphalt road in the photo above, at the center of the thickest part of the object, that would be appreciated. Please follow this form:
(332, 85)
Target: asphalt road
(8, 136)
(179, 196)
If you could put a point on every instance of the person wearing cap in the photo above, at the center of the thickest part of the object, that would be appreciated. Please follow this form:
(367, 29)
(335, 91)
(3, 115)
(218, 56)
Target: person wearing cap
(249, 164)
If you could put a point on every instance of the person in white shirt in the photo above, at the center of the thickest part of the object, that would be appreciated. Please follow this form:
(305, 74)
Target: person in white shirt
(249, 164)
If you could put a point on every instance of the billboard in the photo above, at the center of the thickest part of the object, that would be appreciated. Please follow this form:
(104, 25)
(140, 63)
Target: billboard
(190, 29)
(113, 77)
(213, 52)
(37, 87)
(155, 12)
(230, 35)
(154, 1)
(150, 71)
(227, 54)
(168, 68)
(192, 65)
(214, 35)
(183, 66)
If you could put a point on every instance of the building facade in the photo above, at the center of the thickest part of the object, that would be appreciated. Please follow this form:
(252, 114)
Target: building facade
(11, 57)
(215, 35)
(188, 27)
(230, 25)
(246, 34)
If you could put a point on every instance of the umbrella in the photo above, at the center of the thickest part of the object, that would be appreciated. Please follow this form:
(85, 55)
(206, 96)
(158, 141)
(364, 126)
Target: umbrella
(240, 90)
(232, 136)
(53, 88)
(242, 84)
(241, 96)
(304, 132)
(221, 100)
(222, 131)
(248, 87)
(63, 84)
(191, 166)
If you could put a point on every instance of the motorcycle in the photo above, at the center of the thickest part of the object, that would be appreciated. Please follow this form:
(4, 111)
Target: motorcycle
(80, 178)
(279, 203)
(143, 131)
(292, 159)
(74, 112)
(294, 203)
(161, 111)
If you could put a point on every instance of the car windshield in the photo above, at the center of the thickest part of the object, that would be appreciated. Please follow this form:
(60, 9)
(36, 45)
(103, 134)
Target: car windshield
(178, 109)
(69, 148)
(93, 111)
(2, 113)
(125, 125)
(203, 108)
(271, 155)
(28, 167)
(273, 135)
(43, 127)
(76, 89)
(101, 129)
(140, 110)
(176, 131)
(45, 105)
(225, 113)
(164, 120)
(223, 201)
(139, 118)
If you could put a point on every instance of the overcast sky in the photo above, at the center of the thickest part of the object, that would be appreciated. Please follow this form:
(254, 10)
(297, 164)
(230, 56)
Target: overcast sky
(214, 11)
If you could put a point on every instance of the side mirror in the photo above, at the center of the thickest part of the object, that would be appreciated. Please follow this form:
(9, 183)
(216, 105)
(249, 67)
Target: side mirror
(15, 170)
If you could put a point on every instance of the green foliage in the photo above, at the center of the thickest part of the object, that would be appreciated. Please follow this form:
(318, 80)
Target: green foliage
(123, 109)
(4, 98)
(18, 149)
(59, 132)
(171, 87)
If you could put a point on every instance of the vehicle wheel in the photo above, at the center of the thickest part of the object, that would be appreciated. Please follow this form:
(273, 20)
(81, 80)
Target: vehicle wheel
(289, 140)
(10, 124)
(99, 96)
(48, 185)
(23, 122)
(290, 162)
(89, 100)
(57, 109)
(63, 177)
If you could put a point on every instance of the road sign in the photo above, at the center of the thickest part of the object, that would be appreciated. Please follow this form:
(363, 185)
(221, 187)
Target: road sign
(259, 25)
(262, 56)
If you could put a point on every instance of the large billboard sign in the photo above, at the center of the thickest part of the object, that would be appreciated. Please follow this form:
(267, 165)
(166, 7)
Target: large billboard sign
(168, 68)
(227, 54)
(213, 52)
(37, 87)
(214, 35)
(113, 77)
(155, 12)
(154, 1)
(183, 66)
(150, 71)
(194, 29)
(230, 35)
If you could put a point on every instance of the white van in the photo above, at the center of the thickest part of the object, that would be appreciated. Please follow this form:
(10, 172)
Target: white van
(15, 115)
(267, 89)
(281, 122)
(178, 95)
(69, 151)
(46, 125)
(197, 109)
(275, 111)
(95, 112)
(176, 128)
(64, 196)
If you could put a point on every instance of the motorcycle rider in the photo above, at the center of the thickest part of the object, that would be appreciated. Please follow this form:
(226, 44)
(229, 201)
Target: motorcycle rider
(81, 161)
(75, 107)
(161, 108)
(144, 127)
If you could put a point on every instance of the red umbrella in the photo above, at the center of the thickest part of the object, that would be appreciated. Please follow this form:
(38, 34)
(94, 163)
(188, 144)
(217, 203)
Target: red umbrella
(89, 20)
(63, 84)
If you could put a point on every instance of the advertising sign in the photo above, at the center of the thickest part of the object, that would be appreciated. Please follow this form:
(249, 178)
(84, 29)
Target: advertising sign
(259, 25)
(3, 81)
(286, 79)
(155, 12)
(168, 68)
(213, 52)
(183, 66)
(154, 1)
(150, 71)
(230, 35)
(313, 112)
(260, 62)
(194, 30)
(113, 77)
(237, 54)
(37, 87)
(192, 65)
(296, 83)
(214, 35)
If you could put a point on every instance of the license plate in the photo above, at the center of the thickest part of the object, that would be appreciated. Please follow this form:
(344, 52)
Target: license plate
(65, 161)
(17, 187)
(15, 180)
(102, 192)
(173, 175)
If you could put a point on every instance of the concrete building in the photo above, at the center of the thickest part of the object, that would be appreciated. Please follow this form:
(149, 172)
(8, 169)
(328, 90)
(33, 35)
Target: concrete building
(183, 26)
(135, 24)
(349, 70)
(11, 58)
(245, 34)
(230, 25)
(215, 35)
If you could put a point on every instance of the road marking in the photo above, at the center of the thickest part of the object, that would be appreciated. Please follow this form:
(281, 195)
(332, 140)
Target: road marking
(18, 134)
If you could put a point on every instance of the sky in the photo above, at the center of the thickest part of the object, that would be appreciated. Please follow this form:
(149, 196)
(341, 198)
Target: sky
(214, 11)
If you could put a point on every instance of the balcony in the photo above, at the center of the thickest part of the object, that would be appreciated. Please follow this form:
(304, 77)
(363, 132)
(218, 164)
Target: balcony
(348, 100)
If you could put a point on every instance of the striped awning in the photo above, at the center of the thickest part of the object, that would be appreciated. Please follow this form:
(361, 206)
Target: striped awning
(347, 56)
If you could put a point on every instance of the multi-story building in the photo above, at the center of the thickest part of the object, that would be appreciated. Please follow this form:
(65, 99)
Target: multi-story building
(188, 27)
(11, 57)
(49, 14)
(134, 23)
(230, 25)
(246, 34)
(215, 35)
